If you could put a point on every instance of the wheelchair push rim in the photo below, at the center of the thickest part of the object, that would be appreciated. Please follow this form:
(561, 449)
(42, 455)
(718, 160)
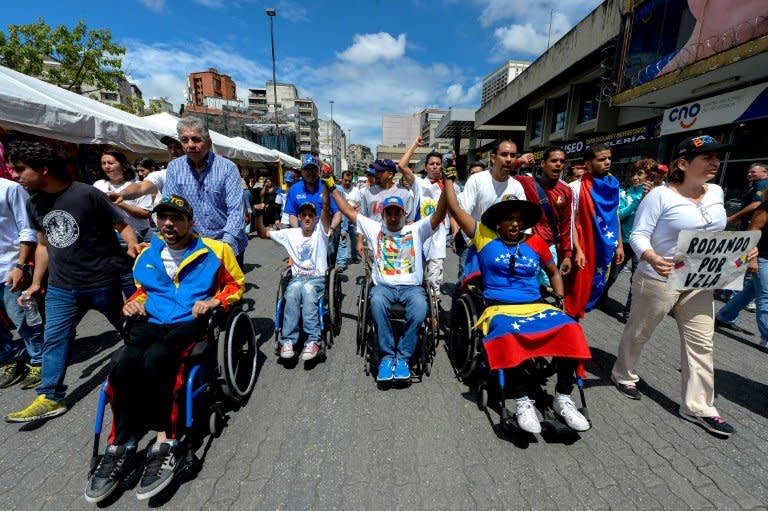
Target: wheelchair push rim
(237, 356)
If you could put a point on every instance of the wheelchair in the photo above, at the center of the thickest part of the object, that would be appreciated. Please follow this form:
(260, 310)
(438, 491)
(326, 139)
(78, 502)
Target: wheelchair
(329, 309)
(471, 366)
(366, 339)
(219, 373)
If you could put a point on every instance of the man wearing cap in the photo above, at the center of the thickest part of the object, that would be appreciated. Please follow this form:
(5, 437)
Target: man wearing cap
(397, 275)
(290, 178)
(180, 277)
(308, 190)
(307, 248)
(372, 198)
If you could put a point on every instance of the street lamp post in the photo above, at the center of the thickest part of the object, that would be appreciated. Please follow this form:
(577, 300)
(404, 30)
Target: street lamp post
(271, 13)
(333, 141)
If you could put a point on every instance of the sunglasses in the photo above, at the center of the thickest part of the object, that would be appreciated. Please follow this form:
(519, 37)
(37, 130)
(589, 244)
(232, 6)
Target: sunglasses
(705, 214)
(512, 259)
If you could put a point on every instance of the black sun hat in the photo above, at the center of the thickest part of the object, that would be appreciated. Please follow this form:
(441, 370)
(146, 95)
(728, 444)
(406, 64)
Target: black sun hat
(509, 203)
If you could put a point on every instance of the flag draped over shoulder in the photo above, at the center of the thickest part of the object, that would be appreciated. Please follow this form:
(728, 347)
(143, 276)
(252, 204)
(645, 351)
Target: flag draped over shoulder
(516, 333)
(597, 225)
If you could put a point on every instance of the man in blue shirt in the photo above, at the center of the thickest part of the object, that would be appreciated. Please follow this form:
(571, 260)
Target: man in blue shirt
(308, 190)
(211, 185)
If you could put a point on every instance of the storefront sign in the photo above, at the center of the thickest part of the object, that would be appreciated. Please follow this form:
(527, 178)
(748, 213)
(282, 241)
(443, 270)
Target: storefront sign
(626, 136)
(711, 260)
(738, 106)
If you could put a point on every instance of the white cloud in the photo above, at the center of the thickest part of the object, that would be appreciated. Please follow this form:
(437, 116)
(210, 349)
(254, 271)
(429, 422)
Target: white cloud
(154, 5)
(369, 48)
(529, 30)
(456, 96)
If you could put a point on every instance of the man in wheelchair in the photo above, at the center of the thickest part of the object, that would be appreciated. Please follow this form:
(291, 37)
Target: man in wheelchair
(307, 246)
(180, 278)
(397, 276)
(516, 324)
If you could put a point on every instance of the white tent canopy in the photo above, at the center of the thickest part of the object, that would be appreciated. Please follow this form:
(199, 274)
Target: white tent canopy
(33, 106)
(165, 124)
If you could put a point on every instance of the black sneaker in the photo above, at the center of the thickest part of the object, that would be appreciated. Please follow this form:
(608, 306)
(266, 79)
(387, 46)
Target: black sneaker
(714, 424)
(730, 326)
(158, 473)
(628, 389)
(114, 465)
(12, 373)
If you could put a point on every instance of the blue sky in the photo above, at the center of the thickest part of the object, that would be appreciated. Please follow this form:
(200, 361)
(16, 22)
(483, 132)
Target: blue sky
(371, 57)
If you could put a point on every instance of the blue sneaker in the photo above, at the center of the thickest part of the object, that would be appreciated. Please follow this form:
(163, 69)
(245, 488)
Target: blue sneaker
(385, 370)
(402, 371)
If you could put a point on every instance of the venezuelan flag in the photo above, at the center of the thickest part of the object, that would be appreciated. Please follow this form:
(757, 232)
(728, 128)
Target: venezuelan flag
(516, 333)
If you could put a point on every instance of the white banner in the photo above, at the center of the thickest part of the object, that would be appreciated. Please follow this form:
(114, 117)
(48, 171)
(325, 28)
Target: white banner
(741, 105)
(711, 260)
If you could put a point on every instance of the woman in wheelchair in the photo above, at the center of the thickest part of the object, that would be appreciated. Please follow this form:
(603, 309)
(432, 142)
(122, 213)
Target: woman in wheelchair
(307, 246)
(517, 326)
(180, 277)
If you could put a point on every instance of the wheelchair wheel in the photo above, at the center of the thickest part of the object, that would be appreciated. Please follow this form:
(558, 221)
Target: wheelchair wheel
(237, 355)
(482, 397)
(279, 304)
(434, 318)
(465, 341)
(362, 318)
(334, 301)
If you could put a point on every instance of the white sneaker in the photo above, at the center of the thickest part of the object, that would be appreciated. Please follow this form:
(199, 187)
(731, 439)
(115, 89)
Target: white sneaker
(566, 408)
(286, 350)
(751, 307)
(526, 416)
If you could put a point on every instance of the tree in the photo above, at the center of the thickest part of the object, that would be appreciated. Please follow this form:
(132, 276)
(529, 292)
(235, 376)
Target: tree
(155, 106)
(82, 56)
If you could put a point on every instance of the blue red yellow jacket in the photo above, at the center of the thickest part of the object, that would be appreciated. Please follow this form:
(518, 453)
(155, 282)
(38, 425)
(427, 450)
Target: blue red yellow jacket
(209, 270)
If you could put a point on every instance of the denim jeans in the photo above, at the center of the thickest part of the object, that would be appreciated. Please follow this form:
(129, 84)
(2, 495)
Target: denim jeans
(414, 300)
(31, 342)
(302, 297)
(730, 311)
(64, 308)
(347, 243)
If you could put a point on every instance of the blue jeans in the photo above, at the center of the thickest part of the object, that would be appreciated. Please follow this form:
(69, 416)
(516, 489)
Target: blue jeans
(64, 308)
(347, 244)
(414, 300)
(31, 341)
(302, 297)
(730, 311)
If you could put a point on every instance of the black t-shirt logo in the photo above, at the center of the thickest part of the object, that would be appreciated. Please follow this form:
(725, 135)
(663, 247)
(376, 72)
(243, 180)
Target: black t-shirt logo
(61, 229)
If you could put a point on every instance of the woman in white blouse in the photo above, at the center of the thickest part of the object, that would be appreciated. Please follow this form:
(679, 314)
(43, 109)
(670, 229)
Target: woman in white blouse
(687, 202)
(119, 175)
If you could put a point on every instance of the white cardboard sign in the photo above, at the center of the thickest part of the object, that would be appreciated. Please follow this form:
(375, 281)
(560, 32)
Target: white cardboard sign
(711, 260)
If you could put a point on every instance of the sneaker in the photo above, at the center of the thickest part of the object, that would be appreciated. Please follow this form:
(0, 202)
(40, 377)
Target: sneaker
(310, 351)
(11, 373)
(566, 408)
(714, 424)
(628, 389)
(751, 307)
(112, 468)
(33, 378)
(730, 326)
(526, 416)
(286, 350)
(161, 464)
(385, 370)
(402, 371)
(40, 408)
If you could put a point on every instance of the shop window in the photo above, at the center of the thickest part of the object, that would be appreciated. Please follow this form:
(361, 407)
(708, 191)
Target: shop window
(559, 106)
(537, 122)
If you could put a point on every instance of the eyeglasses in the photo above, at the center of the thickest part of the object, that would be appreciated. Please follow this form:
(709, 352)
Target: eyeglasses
(705, 214)
(512, 259)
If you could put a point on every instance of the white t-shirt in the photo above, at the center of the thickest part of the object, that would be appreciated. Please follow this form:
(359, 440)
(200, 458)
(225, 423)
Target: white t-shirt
(309, 254)
(353, 197)
(427, 194)
(482, 191)
(157, 178)
(397, 256)
(663, 213)
(172, 258)
(146, 202)
(373, 196)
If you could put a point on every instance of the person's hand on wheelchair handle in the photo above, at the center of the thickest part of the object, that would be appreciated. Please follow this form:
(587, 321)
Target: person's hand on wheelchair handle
(134, 308)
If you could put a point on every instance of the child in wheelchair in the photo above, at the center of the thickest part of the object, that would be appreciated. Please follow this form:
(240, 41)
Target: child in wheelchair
(397, 276)
(516, 325)
(307, 246)
(180, 278)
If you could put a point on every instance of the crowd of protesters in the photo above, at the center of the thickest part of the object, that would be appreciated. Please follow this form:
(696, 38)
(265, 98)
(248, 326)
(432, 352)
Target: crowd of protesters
(67, 247)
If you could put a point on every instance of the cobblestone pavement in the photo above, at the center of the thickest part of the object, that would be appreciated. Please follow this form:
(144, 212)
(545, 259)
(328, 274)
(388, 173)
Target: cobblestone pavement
(326, 438)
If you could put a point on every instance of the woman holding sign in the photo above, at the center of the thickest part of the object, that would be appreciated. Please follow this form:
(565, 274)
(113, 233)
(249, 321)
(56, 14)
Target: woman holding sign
(688, 202)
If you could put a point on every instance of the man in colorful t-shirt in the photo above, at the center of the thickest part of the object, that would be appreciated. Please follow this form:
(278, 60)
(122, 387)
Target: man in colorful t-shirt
(397, 276)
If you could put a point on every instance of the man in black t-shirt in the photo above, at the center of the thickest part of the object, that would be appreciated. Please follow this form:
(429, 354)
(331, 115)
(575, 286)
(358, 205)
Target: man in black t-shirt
(77, 245)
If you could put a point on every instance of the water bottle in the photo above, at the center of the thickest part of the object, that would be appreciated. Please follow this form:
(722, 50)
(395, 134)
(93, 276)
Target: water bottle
(31, 312)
